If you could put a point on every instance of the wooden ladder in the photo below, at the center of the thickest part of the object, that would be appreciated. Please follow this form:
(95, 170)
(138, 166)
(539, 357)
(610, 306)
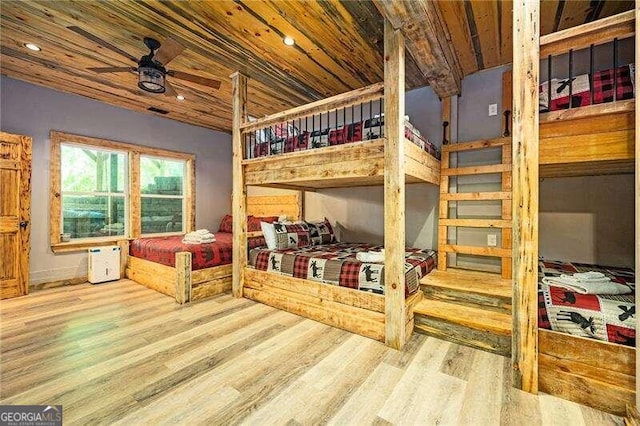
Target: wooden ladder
(505, 195)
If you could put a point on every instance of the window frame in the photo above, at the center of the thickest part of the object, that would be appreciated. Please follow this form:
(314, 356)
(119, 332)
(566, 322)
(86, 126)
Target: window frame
(133, 195)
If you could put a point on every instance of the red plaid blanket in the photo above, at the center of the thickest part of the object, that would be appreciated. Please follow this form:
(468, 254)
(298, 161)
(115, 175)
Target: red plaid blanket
(163, 250)
(337, 264)
(603, 86)
(603, 317)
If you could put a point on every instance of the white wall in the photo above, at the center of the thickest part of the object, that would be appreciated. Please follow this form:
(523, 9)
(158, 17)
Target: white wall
(605, 204)
(35, 111)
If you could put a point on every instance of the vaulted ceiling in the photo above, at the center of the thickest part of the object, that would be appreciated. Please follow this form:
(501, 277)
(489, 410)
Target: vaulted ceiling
(338, 47)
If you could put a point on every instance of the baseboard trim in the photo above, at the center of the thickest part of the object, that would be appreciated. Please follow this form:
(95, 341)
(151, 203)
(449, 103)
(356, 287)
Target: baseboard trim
(59, 283)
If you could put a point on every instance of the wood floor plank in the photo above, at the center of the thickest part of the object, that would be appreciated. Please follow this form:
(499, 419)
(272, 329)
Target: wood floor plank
(124, 354)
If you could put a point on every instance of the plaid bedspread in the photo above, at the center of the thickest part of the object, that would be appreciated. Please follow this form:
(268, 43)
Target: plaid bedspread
(603, 317)
(163, 249)
(336, 264)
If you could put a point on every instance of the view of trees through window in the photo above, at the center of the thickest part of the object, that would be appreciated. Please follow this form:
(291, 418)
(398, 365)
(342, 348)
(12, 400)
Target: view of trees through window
(95, 199)
(93, 192)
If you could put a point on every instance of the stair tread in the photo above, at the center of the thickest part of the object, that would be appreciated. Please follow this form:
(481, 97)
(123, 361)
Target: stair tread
(477, 318)
(469, 281)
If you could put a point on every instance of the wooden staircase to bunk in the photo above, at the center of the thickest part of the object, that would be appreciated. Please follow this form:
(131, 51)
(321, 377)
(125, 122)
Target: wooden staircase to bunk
(469, 307)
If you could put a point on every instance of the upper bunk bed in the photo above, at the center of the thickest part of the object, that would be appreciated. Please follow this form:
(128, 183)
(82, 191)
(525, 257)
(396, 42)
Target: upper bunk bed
(334, 142)
(594, 133)
(373, 146)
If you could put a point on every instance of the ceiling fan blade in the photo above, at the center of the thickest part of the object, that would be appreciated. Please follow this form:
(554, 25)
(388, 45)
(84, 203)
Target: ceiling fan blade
(168, 51)
(195, 79)
(102, 43)
(169, 90)
(102, 70)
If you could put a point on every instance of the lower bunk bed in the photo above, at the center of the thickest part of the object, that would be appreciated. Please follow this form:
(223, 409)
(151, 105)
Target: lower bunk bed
(328, 284)
(189, 272)
(586, 342)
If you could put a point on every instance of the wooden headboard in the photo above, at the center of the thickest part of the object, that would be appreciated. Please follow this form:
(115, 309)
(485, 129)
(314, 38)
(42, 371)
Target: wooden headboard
(276, 205)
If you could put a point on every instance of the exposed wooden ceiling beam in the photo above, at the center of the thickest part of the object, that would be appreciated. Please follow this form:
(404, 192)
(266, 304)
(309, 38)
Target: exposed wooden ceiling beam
(428, 41)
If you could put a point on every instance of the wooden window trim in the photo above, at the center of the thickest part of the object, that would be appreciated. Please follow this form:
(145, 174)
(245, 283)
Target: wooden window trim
(134, 152)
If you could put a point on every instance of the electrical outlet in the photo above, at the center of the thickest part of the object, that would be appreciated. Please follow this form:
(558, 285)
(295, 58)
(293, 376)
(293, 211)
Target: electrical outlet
(493, 109)
(492, 240)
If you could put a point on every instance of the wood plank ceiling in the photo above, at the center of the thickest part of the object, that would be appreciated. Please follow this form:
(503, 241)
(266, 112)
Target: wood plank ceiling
(338, 47)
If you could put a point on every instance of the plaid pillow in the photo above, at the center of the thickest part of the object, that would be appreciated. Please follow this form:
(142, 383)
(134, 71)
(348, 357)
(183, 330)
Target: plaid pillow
(321, 232)
(226, 225)
(291, 235)
(253, 222)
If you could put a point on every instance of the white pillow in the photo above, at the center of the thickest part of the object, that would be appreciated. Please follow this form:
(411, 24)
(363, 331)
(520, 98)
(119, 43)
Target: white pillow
(269, 234)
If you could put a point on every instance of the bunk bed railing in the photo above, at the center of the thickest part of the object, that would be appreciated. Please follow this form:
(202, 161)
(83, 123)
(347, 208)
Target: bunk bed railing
(609, 90)
(343, 100)
(602, 31)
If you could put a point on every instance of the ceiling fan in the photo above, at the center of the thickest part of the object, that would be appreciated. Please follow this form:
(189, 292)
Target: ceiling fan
(151, 69)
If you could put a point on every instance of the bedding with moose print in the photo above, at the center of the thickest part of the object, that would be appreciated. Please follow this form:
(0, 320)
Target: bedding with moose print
(336, 264)
(604, 317)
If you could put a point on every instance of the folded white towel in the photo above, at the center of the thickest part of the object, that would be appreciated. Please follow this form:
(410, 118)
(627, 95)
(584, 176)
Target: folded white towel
(590, 275)
(203, 241)
(588, 286)
(199, 236)
(371, 256)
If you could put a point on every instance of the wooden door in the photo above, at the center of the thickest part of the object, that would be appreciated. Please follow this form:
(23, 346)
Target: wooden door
(15, 203)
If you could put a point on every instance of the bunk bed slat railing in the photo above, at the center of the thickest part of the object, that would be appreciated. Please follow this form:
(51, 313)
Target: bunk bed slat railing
(597, 32)
(343, 100)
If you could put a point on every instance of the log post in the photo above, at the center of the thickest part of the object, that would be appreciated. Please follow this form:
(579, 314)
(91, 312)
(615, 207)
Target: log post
(183, 277)
(239, 192)
(394, 190)
(526, 52)
(637, 136)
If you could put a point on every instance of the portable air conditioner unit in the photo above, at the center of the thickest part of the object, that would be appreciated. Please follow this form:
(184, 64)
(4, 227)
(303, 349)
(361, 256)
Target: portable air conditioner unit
(104, 264)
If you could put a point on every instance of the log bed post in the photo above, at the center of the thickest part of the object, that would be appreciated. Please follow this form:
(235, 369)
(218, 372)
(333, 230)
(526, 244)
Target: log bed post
(526, 52)
(239, 192)
(637, 171)
(394, 190)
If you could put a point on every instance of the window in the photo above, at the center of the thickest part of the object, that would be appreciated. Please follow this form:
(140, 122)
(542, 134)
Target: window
(162, 195)
(103, 191)
(94, 201)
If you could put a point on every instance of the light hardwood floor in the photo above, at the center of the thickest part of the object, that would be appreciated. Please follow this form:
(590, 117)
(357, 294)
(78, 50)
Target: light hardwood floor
(121, 353)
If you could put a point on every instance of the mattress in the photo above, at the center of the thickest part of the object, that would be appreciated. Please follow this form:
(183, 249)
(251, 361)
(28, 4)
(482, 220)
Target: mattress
(336, 264)
(603, 317)
(163, 249)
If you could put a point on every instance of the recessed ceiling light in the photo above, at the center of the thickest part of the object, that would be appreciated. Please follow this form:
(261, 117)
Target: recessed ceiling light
(32, 46)
(289, 41)
(180, 98)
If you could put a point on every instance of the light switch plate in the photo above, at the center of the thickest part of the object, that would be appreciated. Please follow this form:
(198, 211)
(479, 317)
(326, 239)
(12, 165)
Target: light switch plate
(493, 109)
(492, 240)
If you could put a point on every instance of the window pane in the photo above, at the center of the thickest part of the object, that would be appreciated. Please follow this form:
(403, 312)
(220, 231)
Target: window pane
(161, 215)
(90, 170)
(92, 216)
(161, 176)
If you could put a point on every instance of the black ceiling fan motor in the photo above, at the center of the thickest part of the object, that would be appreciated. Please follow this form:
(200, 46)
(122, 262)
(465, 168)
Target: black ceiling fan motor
(151, 43)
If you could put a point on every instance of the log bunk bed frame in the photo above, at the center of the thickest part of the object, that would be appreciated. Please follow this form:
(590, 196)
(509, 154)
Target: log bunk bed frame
(187, 285)
(390, 161)
(590, 140)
